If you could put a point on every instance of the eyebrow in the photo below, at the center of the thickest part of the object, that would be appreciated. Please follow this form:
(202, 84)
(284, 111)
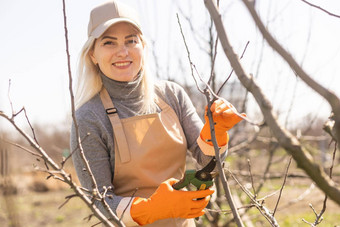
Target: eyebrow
(114, 38)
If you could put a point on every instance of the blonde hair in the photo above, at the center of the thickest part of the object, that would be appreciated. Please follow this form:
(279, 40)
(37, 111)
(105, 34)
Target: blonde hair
(89, 82)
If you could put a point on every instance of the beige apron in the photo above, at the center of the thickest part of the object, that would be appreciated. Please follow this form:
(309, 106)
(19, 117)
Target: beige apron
(149, 149)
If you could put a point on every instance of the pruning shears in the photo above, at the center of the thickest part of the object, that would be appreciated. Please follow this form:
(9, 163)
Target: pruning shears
(201, 179)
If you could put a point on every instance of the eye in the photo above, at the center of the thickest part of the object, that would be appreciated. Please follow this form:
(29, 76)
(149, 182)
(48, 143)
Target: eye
(106, 43)
(131, 42)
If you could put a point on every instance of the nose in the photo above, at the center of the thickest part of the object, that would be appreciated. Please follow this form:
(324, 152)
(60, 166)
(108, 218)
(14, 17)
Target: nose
(122, 51)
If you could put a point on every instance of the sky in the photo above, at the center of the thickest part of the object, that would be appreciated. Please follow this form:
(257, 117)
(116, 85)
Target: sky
(33, 57)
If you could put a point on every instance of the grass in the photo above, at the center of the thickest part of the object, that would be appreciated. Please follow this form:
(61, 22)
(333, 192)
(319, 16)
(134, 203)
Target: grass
(41, 209)
(34, 209)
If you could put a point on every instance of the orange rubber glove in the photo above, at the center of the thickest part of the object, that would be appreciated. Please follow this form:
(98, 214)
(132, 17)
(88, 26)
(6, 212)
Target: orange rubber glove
(167, 202)
(224, 117)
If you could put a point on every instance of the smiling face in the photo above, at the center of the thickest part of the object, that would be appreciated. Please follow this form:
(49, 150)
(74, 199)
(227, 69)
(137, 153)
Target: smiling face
(119, 52)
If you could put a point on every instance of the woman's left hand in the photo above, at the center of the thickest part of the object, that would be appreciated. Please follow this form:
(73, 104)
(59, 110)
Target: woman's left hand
(225, 116)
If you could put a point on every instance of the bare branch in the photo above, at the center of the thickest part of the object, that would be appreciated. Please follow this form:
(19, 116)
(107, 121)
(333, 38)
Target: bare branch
(219, 163)
(285, 138)
(132, 196)
(251, 178)
(87, 166)
(283, 184)
(299, 198)
(320, 8)
(189, 57)
(266, 171)
(9, 96)
(207, 87)
(261, 208)
(230, 211)
(231, 72)
(14, 114)
(197, 37)
(23, 148)
(330, 96)
(66, 177)
(70, 155)
(29, 123)
(318, 217)
(208, 92)
(67, 199)
(212, 74)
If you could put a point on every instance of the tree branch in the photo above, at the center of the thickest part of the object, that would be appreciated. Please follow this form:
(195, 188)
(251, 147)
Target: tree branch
(66, 177)
(95, 191)
(322, 9)
(285, 138)
(330, 96)
(208, 92)
(261, 208)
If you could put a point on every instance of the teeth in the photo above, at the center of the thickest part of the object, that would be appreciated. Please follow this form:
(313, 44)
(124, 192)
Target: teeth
(122, 64)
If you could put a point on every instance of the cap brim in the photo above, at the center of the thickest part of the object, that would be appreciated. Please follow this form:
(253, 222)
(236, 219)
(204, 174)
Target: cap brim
(96, 33)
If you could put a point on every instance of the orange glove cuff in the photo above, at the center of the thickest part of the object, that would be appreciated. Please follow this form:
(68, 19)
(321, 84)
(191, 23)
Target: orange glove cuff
(166, 202)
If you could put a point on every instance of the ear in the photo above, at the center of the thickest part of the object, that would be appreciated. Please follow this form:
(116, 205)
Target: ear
(93, 58)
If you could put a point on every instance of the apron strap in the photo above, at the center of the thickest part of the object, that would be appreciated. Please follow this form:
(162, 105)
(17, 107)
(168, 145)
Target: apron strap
(163, 105)
(118, 129)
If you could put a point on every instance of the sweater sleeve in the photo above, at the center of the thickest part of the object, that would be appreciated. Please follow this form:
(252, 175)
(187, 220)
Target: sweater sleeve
(98, 156)
(191, 123)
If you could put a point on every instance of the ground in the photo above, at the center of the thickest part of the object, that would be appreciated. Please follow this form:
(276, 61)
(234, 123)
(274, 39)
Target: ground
(37, 200)
(36, 209)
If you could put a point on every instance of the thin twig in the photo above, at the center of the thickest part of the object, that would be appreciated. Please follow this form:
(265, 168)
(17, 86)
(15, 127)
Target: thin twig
(189, 57)
(299, 198)
(132, 196)
(197, 37)
(75, 149)
(322, 9)
(333, 159)
(261, 208)
(215, 96)
(251, 178)
(14, 114)
(232, 70)
(283, 184)
(29, 123)
(9, 96)
(215, 49)
(67, 199)
(230, 211)
(319, 218)
(23, 148)
(268, 196)
(87, 166)
(266, 171)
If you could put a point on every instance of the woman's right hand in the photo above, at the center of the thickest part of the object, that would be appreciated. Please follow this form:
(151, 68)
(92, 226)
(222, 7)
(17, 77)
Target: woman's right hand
(167, 202)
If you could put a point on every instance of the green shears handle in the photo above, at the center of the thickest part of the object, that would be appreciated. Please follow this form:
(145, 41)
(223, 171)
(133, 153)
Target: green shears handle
(190, 178)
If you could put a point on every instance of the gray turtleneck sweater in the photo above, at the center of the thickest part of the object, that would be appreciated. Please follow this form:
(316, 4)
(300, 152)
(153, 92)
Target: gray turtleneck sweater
(95, 128)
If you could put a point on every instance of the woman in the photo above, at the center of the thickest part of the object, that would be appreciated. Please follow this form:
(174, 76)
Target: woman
(136, 133)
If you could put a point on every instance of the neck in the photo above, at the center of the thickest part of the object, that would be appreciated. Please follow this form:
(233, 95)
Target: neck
(124, 90)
